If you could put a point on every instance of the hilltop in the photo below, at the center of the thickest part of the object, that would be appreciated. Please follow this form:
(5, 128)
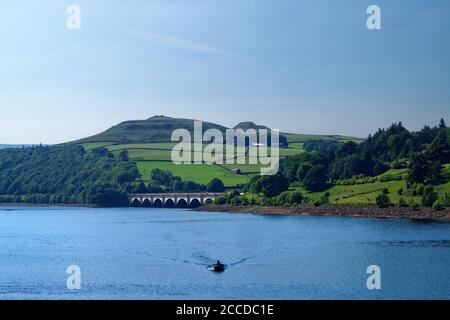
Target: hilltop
(159, 129)
(245, 125)
(154, 129)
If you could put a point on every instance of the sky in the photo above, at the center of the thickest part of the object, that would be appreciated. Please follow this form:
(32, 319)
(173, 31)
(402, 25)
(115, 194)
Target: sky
(300, 66)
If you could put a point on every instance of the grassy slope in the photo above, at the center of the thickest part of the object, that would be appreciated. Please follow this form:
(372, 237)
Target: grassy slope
(301, 138)
(154, 129)
(365, 194)
(200, 173)
(93, 145)
(162, 152)
(150, 156)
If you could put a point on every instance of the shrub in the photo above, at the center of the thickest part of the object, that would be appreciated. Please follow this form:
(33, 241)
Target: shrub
(316, 179)
(220, 201)
(215, 185)
(437, 205)
(414, 206)
(442, 202)
(429, 196)
(445, 200)
(235, 201)
(270, 186)
(420, 190)
(295, 198)
(284, 199)
(383, 200)
(402, 203)
(325, 199)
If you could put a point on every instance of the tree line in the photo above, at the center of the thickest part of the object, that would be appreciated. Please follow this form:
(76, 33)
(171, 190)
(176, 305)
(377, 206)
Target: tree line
(423, 153)
(65, 174)
(68, 174)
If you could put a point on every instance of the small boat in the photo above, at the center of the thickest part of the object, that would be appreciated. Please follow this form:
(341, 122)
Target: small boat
(217, 267)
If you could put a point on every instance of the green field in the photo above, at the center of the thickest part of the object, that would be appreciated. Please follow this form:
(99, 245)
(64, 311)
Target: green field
(158, 155)
(301, 138)
(162, 152)
(200, 173)
(147, 154)
(245, 168)
(287, 152)
(94, 145)
(297, 145)
(154, 146)
(363, 194)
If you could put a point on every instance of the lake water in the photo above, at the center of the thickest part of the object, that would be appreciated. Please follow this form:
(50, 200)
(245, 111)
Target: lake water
(137, 253)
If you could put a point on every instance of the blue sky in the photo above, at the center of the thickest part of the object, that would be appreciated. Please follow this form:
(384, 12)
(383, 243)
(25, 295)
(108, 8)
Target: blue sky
(300, 66)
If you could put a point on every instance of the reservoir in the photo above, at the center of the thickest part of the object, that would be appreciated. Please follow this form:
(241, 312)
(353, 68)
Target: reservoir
(150, 253)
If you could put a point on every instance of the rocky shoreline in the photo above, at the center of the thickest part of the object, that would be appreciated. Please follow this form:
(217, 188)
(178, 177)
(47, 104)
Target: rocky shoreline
(336, 210)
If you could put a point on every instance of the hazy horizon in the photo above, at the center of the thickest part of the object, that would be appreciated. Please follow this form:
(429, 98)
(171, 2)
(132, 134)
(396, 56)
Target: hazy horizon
(307, 67)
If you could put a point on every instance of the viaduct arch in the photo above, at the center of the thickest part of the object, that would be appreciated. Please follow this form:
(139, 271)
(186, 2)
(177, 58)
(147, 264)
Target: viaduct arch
(171, 200)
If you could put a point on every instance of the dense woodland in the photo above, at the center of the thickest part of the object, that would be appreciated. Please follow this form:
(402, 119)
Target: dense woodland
(71, 175)
(65, 174)
(423, 152)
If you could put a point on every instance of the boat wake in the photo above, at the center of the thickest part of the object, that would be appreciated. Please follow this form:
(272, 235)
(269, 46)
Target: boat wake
(209, 262)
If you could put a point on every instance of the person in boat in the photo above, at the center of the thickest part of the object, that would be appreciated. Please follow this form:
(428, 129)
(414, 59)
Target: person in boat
(218, 267)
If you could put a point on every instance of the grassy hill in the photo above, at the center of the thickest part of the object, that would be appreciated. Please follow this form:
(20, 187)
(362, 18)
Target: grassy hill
(245, 125)
(148, 144)
(154, 129)
(159, 129)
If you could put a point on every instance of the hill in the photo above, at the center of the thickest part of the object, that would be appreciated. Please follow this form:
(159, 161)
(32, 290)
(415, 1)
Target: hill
(245, 125)
(154, 129)
(148, 144)
(159, 129)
